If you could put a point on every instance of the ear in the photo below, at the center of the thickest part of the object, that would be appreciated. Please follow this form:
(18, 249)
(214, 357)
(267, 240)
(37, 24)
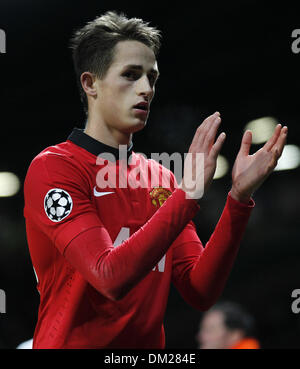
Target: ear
(88, 83)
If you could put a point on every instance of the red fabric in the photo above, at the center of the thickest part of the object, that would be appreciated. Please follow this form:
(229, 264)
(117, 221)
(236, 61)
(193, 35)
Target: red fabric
(201, 276)
(123, 244)
(114, 271)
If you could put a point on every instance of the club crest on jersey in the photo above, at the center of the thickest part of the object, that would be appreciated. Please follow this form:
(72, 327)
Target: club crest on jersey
(159, 195)
(57, 204)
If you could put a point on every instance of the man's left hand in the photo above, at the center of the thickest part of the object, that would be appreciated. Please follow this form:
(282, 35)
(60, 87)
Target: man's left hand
(250, 171)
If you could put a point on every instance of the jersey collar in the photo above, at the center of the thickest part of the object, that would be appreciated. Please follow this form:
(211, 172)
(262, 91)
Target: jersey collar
(95, 147)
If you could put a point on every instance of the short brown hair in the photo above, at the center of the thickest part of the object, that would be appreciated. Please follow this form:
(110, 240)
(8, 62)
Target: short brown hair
(93, 45)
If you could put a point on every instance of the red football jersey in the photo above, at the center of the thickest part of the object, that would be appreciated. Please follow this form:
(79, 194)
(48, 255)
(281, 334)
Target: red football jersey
(62, 200)
(105, 253)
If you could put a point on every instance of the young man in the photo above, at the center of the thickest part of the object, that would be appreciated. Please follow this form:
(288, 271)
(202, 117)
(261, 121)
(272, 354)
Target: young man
(105, 256)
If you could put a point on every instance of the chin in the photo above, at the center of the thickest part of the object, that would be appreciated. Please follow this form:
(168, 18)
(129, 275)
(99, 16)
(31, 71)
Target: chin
(135, 127)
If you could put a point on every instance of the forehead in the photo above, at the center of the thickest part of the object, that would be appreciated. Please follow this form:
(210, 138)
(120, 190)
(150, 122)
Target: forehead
(134, 53)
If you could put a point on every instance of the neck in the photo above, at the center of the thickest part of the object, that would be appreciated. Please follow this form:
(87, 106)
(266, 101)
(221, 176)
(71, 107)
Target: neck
(107, 135)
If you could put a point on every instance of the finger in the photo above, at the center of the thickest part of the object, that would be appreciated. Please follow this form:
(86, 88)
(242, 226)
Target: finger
(278, 147)
(209, 120)
(271, 142)
(210, 137)
(212, 131)
(216, 148)
(201, 130)
(246, 143)
(206, 138)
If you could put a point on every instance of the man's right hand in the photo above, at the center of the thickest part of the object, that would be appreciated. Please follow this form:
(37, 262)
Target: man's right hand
(200, 169)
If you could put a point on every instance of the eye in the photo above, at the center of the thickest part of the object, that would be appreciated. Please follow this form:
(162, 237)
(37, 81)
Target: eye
(131, 75)
(152, 79)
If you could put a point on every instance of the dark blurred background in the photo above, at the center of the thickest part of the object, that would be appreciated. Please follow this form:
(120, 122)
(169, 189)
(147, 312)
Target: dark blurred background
(234, 57)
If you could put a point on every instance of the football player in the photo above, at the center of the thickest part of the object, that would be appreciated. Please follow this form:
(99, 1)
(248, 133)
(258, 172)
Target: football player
(105, 256)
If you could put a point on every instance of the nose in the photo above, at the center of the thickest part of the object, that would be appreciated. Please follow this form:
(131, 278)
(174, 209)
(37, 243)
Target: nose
(144, 88)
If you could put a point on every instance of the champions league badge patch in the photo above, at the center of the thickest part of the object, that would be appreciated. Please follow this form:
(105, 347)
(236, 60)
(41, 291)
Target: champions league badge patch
(57, 204)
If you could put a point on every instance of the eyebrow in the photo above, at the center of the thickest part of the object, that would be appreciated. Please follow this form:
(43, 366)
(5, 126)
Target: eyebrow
(139, 67)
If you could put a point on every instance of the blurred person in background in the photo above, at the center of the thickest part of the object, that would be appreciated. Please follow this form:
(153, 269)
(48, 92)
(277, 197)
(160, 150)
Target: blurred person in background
(227, 326)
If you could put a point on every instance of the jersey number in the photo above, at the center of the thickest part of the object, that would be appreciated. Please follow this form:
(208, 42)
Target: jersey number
(124, 234)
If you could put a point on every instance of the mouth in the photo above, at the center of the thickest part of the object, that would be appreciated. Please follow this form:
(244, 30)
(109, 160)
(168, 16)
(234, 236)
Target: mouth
(143, 105)
(141, 109)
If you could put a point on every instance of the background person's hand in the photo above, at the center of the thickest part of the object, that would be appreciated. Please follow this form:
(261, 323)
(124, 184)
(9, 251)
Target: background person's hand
(250, 171)
(200, 169)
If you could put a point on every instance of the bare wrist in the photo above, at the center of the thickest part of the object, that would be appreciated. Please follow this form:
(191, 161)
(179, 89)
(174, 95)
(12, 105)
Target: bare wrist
(244, 198)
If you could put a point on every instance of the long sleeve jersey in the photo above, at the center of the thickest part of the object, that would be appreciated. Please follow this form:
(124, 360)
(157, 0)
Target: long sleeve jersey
(105, 257)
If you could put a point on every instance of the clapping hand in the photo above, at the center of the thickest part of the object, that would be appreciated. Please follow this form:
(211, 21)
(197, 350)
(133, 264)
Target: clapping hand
(250, 171)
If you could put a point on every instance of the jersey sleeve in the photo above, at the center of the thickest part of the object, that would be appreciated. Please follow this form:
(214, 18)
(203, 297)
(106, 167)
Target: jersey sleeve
(57, 199)
(187, 249)
(200, 273)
